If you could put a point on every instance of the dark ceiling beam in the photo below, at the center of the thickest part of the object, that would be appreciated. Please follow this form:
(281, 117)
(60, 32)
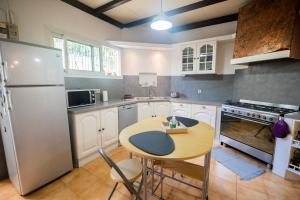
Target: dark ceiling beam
(91, 11)
(187, 8)
(110, 5)
(200, 24)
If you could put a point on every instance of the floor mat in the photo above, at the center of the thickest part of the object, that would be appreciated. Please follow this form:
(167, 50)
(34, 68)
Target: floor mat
(241, 167)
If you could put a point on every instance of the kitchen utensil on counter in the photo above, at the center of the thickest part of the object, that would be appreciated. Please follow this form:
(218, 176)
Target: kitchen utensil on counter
(105, 95)
(174, 94)
(127, 97)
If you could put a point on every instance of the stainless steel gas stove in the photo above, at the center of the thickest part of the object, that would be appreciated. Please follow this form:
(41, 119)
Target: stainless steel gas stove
(247, 125)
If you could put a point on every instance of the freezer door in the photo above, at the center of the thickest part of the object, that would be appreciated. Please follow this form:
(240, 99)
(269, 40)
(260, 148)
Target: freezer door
(31, 65)
(41, 134)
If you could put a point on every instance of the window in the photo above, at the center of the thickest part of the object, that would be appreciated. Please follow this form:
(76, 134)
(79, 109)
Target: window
(89, 59)
(59, 44)
(79, 56)
(111, 61)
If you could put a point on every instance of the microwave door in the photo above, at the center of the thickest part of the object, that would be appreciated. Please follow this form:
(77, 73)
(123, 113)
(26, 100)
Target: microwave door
(78, 98)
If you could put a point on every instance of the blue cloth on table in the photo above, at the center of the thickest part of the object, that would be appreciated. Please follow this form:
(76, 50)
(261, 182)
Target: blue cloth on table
(185, 121)
(153, 142)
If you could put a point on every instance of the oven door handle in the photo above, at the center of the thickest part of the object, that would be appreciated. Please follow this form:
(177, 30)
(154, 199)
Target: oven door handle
(247, 119)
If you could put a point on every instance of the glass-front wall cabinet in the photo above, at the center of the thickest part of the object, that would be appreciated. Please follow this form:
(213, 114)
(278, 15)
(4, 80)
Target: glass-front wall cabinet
(199, 58)
(188, 54)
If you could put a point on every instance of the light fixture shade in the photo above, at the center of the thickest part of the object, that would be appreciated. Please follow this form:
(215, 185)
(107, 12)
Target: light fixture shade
(161, 24)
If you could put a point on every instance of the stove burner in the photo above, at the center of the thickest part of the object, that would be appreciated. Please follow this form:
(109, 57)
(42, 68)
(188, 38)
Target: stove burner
(264, 108)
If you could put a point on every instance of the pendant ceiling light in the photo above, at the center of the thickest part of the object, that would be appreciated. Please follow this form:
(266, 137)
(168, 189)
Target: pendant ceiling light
(160, 22)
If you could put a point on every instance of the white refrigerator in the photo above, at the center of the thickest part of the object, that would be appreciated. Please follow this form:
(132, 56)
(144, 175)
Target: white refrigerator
(33, 115)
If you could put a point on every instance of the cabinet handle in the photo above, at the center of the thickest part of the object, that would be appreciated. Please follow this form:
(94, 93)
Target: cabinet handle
(5, 73)
(103, 129)
(99, 130)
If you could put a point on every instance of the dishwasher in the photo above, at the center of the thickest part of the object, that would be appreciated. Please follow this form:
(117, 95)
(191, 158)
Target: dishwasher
(127, 116)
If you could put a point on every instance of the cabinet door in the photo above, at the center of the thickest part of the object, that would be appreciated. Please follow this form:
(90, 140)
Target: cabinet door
(206, 57)
(145, 110)
(188, 54)
(87, 131)
(182, 110)
(206, 114)
(162, 109)
(109, 126)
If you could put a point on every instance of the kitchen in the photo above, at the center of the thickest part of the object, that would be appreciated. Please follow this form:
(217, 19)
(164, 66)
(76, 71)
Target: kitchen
(210, 60)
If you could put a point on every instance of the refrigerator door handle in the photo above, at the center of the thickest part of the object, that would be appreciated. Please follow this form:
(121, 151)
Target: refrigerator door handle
(9, 102)
(5, 73)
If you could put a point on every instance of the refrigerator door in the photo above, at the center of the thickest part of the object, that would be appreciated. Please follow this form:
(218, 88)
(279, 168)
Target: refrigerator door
(41, 134)
(31, 65)
(8, 144)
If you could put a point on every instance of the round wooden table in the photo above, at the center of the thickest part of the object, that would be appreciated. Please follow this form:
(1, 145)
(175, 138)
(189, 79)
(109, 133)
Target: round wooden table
(198, 141)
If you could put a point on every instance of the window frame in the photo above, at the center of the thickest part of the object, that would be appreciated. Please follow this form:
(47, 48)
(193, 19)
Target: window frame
(86, 73)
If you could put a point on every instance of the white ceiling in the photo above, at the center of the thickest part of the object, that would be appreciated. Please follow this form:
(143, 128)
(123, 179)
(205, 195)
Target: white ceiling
(139, 9)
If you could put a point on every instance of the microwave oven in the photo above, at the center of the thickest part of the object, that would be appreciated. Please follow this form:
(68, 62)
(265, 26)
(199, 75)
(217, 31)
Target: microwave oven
(77, 98)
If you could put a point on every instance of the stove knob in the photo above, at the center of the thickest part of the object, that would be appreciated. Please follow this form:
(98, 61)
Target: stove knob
(258, 116)
(248, 114)
(253, 115)
(271, 119)
(264, 117)
(232, 111)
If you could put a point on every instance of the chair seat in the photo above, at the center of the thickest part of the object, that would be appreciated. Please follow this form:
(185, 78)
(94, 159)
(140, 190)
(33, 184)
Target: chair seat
(131, 168)
(189, 169)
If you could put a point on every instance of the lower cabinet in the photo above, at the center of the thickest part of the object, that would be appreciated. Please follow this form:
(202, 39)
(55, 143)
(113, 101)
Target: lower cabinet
(109, 127)
(206, 114)
(181, 109)
(202, 113)
(153, 109)
(90, 131)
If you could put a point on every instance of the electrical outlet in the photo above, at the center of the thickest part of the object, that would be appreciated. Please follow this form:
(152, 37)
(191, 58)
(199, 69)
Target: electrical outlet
(199, 91)
(97, 91)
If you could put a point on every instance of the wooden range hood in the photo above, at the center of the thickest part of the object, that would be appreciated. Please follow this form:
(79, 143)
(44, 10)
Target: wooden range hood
(267, 30)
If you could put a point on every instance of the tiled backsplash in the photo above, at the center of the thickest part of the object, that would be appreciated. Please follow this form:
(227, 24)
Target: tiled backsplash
(272, 81)
(217, 88)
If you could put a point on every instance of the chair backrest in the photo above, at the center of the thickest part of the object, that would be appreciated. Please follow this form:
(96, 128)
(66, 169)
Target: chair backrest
(111, 163)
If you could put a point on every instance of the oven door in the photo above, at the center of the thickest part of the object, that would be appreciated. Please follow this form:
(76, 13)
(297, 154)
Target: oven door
(78, 98)
(249, 135)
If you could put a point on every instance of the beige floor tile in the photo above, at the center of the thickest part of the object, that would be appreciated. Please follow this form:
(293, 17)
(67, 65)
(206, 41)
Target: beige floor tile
(93, 182)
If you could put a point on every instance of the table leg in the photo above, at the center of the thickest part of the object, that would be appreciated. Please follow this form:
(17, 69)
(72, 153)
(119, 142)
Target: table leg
(206, 176)
(145, 177)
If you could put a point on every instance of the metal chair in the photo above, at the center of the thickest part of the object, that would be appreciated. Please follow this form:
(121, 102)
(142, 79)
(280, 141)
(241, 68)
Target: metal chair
(125, 172)
(184, 168)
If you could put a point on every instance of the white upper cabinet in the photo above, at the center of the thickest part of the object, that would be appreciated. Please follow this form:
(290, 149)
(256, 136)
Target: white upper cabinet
(109, 128)
(206, 58)
(199, 58)
(188, 58)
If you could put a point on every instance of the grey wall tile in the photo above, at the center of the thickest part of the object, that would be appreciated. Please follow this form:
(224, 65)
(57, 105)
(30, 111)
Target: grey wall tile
(131, 86)
(218, 88)
(272, 81)
(113, 86)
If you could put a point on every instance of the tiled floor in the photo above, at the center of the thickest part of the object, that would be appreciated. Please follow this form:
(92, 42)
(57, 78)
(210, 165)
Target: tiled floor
(92, 182)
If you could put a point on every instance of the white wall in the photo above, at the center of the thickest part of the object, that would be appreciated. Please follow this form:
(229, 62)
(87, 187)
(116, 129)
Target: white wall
(205, 32)
(38, 18)
(144, 33)
(139, 60)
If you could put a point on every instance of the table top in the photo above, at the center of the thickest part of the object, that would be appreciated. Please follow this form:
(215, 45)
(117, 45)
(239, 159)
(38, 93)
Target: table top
(197, 142)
